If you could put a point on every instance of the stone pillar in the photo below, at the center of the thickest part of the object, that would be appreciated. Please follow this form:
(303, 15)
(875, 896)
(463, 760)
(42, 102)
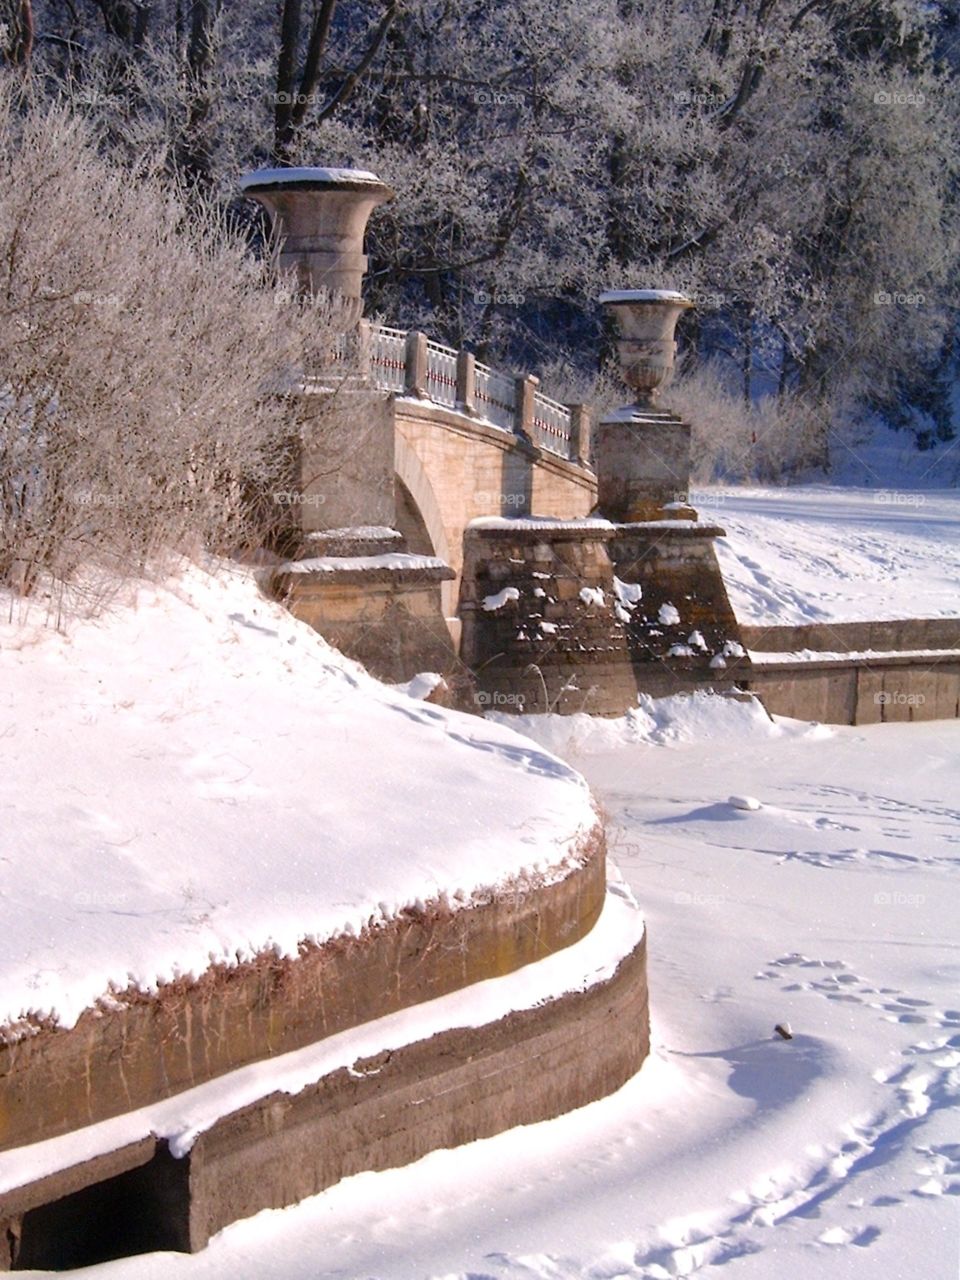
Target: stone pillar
(319, 217)
(641, 452)
(524, 405)
(466, 381)
(581, 423)
(344, 473)
(415, 372)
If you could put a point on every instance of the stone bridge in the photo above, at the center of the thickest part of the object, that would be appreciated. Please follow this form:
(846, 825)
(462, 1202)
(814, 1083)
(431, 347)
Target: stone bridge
(468, 441)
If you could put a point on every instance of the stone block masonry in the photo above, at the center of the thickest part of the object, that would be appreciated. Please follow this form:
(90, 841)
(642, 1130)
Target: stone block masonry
(138, 1048)
(451, 1088)
(581, 616)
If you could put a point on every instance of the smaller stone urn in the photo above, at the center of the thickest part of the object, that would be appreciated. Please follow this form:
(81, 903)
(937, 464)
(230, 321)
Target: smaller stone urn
(642, 452)
(319, 218)
(647, 320)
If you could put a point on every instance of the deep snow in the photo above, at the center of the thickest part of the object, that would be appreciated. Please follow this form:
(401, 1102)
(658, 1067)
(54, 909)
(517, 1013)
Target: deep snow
(831, 905)
(830, 554)
(202, 778)
(835, 1154)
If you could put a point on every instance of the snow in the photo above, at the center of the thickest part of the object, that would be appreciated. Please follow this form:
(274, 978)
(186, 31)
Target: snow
(669, 615)
(200, 778)
(744, 802)
(769, 657)
(182, 1118)
(358, 532)
(792, 875)
(388, 560)
(492, 603)
(831, 911)
(535, 523)
(644, 295)
(628, 593)
(829, 554)
(268, 177)
(422, 685)
(592, 596)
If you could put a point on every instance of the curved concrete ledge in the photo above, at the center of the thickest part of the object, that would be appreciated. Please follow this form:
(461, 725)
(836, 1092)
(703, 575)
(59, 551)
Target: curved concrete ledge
(135, 1048)
(439, 1091)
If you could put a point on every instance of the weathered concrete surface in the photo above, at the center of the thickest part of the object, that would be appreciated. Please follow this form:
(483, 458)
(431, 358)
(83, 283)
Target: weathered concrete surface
(391, 620)
(875, 690)
(458, 1086)
(138, 1048)
(559, 646)
(454, 1088)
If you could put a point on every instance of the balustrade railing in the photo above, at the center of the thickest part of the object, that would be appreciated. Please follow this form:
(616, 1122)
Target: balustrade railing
(441, 374)
(387, 356)
(552, 423)
(495, 397)
(410, 364)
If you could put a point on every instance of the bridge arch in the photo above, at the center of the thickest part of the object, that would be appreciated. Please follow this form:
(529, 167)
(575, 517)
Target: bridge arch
(416, 487)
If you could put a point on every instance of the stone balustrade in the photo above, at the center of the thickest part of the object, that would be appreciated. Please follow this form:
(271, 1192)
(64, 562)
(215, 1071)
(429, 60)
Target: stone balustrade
(411, 364)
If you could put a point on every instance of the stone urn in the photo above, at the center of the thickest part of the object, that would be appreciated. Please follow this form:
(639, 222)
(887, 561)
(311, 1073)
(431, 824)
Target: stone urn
(642, 452)
(319, 218)
(647, 320)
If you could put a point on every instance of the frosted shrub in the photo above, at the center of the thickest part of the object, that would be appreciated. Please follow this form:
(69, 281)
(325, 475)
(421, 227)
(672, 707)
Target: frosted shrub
(143, 363)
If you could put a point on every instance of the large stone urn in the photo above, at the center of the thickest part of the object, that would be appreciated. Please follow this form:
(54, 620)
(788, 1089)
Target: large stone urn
(319, 218)
(641, 452)
(647, 320)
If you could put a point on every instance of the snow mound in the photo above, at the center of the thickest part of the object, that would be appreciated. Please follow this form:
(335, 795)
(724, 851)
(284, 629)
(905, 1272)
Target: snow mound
(694, 717)
(198, 777)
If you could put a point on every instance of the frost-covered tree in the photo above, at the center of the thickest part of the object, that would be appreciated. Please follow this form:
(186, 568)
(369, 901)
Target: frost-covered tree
(788, 162)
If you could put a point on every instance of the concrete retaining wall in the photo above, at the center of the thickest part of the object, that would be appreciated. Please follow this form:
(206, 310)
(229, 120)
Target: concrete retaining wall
(848, 637)
(455, 1087)
(138, 1048)
(871, 672)
(853, 690)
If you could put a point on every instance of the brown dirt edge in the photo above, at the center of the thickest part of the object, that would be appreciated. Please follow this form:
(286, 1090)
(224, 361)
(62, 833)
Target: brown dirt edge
(135, 1048)
(456, 1087)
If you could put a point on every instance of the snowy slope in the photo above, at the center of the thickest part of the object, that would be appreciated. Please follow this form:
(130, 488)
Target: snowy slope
(835, 1154)
(817, 553)
(201, 777)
